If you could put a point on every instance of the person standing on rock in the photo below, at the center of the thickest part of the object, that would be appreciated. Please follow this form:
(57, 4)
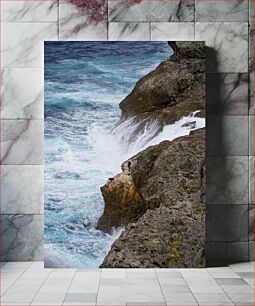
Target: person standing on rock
(129, 167)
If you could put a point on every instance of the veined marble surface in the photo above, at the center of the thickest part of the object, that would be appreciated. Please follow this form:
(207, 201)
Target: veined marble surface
(22, 142)
(22, 43)
(251, 135)
(22, 237)
(251, 177)
(75, 24)
(228, 180)
(227, 223)
(227, 94)
(227, 136)
(251, 68)
(151, 10)
(26, 24)
(21, 189)
(229, 44)
(176, 31)
(129, 31)
(213, 10)
(23, 10)
(22, 93)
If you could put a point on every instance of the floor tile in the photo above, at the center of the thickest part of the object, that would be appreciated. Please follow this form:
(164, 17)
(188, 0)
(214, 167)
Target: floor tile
(243, 267)
(175, 288)
(84, 285)
(213, 299)
(222, 272)
(180, 299)
(81, 298)
(242, 299)
(114, 273)
(230, 281)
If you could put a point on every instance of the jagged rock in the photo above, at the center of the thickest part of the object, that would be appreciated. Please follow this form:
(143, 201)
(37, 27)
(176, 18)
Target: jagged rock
(123, 203)
(176, 88)
(190, 125)
(165, 219)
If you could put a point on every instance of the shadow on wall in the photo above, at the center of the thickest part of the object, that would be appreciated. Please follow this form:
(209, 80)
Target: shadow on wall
(216, 252)
(224, 223)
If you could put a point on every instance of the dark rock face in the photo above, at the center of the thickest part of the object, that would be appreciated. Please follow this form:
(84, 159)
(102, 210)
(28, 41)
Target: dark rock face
(176, 88)
(161, 205)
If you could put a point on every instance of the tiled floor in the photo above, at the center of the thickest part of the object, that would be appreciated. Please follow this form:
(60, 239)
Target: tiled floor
(27, 283)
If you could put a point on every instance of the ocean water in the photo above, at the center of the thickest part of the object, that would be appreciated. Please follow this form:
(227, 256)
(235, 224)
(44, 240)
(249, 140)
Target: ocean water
(84, 84)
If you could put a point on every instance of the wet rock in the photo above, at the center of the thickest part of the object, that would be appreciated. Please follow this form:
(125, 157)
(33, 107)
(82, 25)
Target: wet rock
(190, 125)
(161, 204)
(176, 88)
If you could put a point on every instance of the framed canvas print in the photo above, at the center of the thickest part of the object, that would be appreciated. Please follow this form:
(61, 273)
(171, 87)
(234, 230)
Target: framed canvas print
(124, 154)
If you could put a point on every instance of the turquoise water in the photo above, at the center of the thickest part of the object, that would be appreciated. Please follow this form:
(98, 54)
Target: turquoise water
(84, 84)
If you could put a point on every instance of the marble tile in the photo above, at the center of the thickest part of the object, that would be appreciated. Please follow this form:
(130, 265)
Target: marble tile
(113, 273)
(251, 222)
(44, 298)
(81, 297)
(227, 180)
(222, 272)
(22, 237)
(227, 43)
(22, 93)
(251, 10)
(251, 135)
(22, 142)
(216, 252)
(251, 68)
(242, 299)
(213, 299)
(251, 250)
(238, 251)
(251, 180)
(180, 299)
(151, 10)
(227, 94)
(243, 267)
(82, 21)
(227, 135)
(23, 43)
(129, 31)
(227, 223)
(22, 189)
(22, 10)
(234, 10)
(172, 31)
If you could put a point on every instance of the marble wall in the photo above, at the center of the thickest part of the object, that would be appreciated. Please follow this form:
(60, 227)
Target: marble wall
(228, 29)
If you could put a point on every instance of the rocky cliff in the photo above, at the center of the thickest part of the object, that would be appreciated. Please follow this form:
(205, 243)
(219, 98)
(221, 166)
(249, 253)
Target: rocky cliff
(158, 198)
(164, 224)
(176, 88)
